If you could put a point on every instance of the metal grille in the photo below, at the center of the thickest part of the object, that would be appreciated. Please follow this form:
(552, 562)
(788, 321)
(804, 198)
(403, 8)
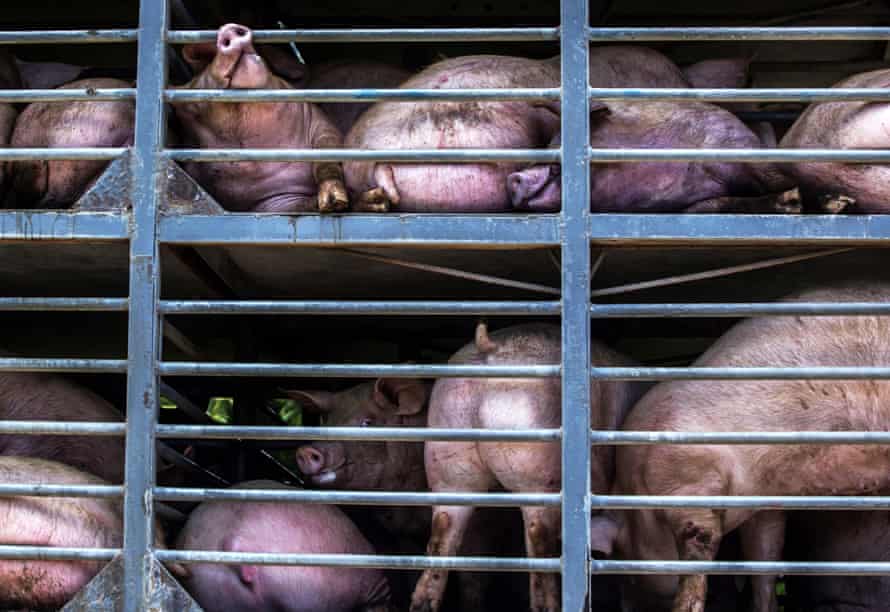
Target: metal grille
(574, 230)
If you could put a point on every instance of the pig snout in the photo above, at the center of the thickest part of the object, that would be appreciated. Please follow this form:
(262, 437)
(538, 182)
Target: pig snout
(320, 468)
(535, 188)
(237, 61)
(234, 39)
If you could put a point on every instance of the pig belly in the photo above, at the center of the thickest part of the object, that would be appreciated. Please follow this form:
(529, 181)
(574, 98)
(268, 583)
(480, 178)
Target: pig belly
(41, 585)
(469, 188)
(274, 187)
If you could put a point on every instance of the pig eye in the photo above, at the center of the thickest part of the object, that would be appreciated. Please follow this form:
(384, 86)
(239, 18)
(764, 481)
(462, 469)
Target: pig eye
(367, 422)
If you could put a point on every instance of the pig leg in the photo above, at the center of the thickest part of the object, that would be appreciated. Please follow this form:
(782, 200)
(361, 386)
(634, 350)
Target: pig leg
(698, 535)
(542, 525)
(382, 197)
(448, 528)
(762, 539)
(787, 202)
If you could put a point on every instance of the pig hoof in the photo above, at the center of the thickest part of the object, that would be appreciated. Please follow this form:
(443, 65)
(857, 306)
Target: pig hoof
(332, 196)
(832, 204)
(789, 202)
(373, 200)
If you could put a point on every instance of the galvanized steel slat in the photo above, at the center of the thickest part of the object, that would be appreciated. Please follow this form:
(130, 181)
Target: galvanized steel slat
(53, 553)
(341, 35)
(31, 37)
(361, 95)
(52, 490)
(62, 153)
(348, 370)
(742, 309)
(43, 225)
(66, 95)
(629, 438)
(65, 304)
(403, 434)
(61, 428)
(685, 34)
(394, 155)
(743, 568)
(350, 307)
(760, 502)
(23, 364)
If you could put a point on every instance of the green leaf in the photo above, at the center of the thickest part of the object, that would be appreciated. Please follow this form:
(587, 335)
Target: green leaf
(780, 588)
(288, 410)
(167, 404)
(221, 409)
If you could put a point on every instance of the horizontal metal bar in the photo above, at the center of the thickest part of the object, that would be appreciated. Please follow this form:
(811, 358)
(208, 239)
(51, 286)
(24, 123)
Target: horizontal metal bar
(52, 553)
(70, 153)
(661, 229)
(40, 225)
(344, 35)
(66, 95)
(790, 94)
(31, 37)
(456, 156)
(65, 304)
(743, 568)
(739, 33)
(16, 364)
(52, 490)
(482, 231)
(348, 370)
(62, 428)
(507, 564)
(357, 498)
(629, 438)
(873, 156)
(609, 311)
(365, 95)
(377, 434)
(737, 373)
(424, 308)
(761, 502)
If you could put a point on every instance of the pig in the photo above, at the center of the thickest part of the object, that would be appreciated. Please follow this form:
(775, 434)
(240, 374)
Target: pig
(499, 403)
(279, 187)
(694, 534)
(54, 522)
(279, 528)
(663, 186)
(848, 126)
(353, 74)
(9, 79)
(59, 183)
(845, 537)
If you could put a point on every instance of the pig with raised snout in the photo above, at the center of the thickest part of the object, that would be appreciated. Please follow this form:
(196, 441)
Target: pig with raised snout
(281, 187)
(693, 187)
(533, 467)
(694, 534)
(844, 125)
(55, 522)
(278, 527)
(353, 74)
(844, 537)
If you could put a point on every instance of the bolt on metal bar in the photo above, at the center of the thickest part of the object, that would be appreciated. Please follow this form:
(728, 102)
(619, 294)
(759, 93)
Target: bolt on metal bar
(341, 370)
(752, 309)
(344, 35)
(392, 155)
(627, 438)
(531, 94)
(79, 37)
(108, 366)
(740, 155)
(760, 502)
(376, 434)
(575, 278)
(68, 153)
(66, 95)
(50, 490)
(743, 373)
(44, 225)
(357, 498)
(743, 568)
(52, 553)
(796, 94)
(61, 428)
(147, 172)
(349, 307)
(65, 304)
(506, 564)
(736, 34)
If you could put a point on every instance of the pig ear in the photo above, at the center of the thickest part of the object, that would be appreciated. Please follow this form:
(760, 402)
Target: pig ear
(722, 73)
(407, 396)
(199, 55)
(603, 533)
(313, 401)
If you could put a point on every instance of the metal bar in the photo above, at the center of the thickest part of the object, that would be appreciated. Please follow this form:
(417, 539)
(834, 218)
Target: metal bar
(377, 434)
(737, 34)
(348, 307)
(743, 568)
(42, 225)
(357, 498)
(52, 553)
(66, 95)
(455, 156)
(625, 438)
(61, 428)
(31, 37)
(51, 490)
(347, 370)
(21, 364)
(368, 95)
(344, 35)
(144, 333)
(764, 502)
(740, 155)
(747, 373)
(753, 309)
(69, 153)
(508, 564)
(575, 257)
(65, 304)
(790, 94)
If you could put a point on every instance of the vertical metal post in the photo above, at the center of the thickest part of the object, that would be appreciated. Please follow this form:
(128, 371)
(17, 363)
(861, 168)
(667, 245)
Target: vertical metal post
(575, 304)
(144, 323)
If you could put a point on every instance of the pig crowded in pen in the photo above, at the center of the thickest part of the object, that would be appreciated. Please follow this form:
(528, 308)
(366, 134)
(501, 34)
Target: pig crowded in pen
(694, 534)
